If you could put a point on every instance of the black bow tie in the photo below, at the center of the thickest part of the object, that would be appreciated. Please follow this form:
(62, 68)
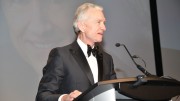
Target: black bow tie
(93, 51)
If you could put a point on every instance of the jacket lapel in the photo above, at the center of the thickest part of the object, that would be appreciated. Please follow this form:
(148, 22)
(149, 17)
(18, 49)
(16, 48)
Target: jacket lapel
(99, 57)
(81, 60)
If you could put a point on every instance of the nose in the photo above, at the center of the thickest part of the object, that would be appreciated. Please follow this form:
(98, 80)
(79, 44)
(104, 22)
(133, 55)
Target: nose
(103, 27)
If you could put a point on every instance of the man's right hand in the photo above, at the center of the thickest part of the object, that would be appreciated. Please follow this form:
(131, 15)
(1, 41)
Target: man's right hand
(71, 96)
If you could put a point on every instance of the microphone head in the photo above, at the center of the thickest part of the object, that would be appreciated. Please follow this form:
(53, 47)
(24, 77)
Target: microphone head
(117, 44)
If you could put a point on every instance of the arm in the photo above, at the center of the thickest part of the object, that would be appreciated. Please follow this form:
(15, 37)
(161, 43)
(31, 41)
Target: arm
(113, 74)
(49, 86)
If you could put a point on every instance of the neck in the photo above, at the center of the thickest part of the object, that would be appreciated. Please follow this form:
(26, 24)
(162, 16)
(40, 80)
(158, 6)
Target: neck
(85, 40)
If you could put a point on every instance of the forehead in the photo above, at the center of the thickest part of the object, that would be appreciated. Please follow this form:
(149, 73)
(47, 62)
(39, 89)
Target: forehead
(95, 13)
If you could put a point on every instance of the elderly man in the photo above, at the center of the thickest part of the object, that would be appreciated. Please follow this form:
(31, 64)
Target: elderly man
(72, 69)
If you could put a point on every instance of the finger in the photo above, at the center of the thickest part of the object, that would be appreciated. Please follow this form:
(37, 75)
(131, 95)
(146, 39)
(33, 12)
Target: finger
(70, 97)
(77, 93)
(74, 94)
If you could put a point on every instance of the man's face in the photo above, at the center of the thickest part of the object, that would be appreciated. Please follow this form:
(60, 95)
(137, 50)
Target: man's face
(36, 26)
(94, 25)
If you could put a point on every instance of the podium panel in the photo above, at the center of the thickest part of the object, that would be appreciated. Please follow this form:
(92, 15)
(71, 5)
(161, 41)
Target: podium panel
(108, 95)
(98, 93)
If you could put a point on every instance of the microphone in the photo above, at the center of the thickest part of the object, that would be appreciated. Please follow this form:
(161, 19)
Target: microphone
(137, 65)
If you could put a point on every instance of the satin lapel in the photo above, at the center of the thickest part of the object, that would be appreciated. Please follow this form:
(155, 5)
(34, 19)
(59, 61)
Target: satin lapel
(81, 60)
(100, 65)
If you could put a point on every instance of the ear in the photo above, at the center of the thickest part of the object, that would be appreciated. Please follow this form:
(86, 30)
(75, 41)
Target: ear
(81, 26)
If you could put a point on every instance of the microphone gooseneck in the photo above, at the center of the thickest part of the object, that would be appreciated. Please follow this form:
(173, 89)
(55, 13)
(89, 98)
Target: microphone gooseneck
(137, 65)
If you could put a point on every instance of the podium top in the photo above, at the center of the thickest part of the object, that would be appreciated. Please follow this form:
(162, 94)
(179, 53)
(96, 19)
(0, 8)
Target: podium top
(140, 88)
(134, 79)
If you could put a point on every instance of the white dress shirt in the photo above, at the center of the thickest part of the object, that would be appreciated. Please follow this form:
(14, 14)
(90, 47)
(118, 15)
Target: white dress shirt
(92, 61)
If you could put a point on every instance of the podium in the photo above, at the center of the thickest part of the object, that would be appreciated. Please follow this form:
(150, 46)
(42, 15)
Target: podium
(139, 88)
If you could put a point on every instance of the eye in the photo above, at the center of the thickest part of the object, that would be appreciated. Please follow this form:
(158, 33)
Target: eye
(98, 22)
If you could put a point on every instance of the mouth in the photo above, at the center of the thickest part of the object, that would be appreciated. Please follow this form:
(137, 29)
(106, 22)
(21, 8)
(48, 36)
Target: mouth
(100, 33)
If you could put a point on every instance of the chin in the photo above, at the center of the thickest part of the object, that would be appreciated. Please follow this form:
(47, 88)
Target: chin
(100, 40)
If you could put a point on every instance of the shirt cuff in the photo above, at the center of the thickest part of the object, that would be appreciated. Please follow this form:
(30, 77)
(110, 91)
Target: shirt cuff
(61, 97)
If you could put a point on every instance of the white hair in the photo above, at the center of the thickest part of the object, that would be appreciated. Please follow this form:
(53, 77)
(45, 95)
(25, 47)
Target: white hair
(80, 14)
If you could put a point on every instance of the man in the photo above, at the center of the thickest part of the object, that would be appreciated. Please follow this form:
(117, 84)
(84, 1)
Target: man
(70, 70)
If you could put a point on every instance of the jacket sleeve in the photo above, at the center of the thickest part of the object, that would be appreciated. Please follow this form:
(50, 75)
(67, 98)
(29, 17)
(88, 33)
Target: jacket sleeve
(49, 89)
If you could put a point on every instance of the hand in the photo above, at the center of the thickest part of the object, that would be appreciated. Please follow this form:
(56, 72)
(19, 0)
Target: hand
(71, 96)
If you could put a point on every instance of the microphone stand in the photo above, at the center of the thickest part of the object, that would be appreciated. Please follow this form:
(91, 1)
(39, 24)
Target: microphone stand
(137, 65)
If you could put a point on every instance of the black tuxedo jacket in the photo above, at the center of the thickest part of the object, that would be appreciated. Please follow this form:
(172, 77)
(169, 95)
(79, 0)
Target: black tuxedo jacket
(67, 69)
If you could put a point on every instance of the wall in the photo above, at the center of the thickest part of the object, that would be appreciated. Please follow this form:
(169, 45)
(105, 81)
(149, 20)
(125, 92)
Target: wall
(29, 29)
(169, 29)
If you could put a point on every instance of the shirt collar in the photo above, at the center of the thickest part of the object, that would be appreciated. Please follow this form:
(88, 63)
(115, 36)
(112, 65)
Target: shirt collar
(83, 46)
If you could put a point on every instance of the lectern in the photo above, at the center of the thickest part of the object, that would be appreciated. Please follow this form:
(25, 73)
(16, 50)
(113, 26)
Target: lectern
(142, 88)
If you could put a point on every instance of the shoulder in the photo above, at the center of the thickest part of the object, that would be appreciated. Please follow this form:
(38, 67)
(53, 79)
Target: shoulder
(107, 55)
(58, 50)
(103, 52)
(64, 49)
